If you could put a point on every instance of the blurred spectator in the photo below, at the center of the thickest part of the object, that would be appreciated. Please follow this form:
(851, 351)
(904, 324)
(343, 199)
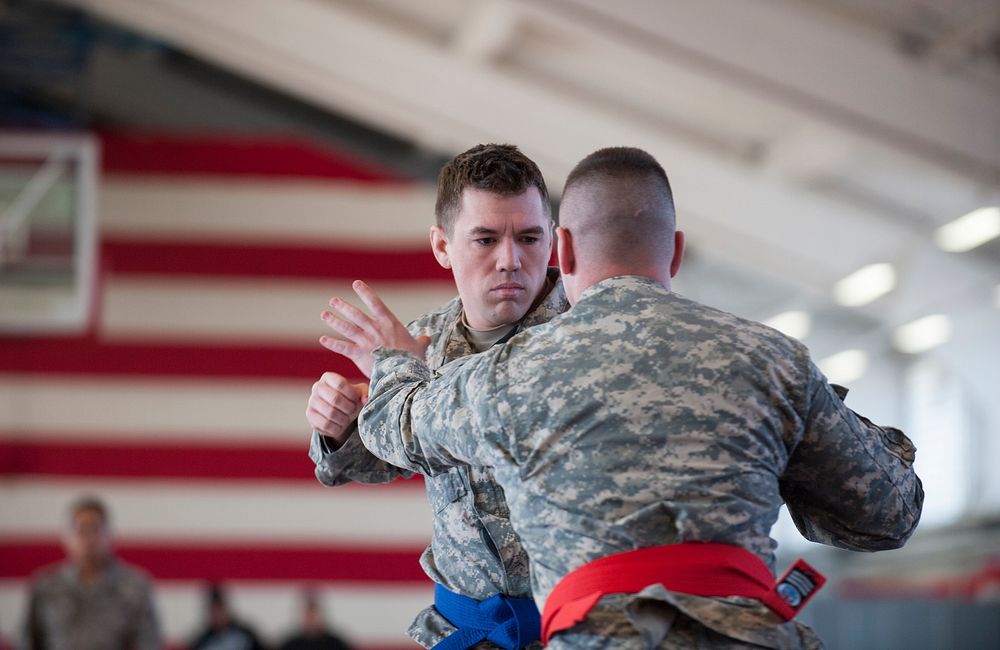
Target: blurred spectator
(223, 631)
(314, 634)
(92, 601)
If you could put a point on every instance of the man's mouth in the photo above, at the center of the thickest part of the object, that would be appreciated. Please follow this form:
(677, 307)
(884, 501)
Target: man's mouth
(508, 288)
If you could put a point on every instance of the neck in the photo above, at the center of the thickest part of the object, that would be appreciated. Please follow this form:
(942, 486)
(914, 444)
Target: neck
(583, 281)
(483, 339)
(90, 571)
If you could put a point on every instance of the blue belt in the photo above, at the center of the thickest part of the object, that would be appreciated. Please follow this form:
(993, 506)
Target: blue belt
(511, 623)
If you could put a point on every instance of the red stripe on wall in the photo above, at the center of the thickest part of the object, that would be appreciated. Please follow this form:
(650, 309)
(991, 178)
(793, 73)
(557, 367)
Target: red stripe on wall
(65, 457)
(251, 260)
(55, 457)
(233, 155)
(86, 355)
(194, 561)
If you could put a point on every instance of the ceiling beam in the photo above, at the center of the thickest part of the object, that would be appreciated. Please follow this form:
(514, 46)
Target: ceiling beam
(840, 75)
(335, 58)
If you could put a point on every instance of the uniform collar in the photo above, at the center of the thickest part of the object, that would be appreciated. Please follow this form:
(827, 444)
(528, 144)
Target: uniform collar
(622, 283)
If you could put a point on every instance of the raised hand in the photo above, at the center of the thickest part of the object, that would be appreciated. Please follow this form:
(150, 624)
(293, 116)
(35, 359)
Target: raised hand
(363, 333)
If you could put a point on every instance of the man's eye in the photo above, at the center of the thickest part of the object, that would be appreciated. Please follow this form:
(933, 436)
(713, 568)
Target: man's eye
(485, 241)
(531, 240)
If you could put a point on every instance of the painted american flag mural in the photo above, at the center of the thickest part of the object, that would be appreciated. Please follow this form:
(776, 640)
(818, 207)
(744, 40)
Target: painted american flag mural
(182, 405)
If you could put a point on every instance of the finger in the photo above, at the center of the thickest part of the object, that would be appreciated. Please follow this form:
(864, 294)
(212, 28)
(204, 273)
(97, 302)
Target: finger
(325, 399)
(338, 410)
(351, 313)
(326, 426)
(341, 347)
(343, 395)
(332, 379)
(318, 412)
(361, 356)
(374, 303)
(338, 421)
(320, 423)
(345, 328)
(337, 381)
(362, 390)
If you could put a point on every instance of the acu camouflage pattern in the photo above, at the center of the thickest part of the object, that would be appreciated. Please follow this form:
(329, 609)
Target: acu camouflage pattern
(473, 549)
(115, 611)
(642, 418)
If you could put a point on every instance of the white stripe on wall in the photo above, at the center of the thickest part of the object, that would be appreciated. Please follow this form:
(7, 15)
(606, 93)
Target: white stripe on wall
(221, 409)
(214, 512)
(244, 311)
(267, 211)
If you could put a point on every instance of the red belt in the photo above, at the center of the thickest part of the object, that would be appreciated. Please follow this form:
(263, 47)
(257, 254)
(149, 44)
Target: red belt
(700, 569)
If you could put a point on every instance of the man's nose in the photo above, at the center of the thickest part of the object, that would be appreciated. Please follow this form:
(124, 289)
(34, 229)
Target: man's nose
(508, 256)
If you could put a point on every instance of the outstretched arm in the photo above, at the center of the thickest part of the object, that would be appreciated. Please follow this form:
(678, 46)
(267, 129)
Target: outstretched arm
(422, 423)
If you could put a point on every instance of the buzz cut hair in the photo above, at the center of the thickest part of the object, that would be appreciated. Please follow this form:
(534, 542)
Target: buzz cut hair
(498, 168)
(620, 163)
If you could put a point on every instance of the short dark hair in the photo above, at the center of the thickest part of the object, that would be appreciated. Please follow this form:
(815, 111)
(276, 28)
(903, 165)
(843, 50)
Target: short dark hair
(620, 162)
(623, 207)
(89, 502)
(498, 168)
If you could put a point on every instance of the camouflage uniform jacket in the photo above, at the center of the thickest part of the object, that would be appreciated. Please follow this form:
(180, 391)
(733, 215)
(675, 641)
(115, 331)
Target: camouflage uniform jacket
(642, 418)
(116, 611)
(473, 549)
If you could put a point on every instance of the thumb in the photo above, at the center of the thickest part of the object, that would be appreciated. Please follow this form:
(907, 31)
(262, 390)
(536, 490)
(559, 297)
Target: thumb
(424, 342)
(362, 392)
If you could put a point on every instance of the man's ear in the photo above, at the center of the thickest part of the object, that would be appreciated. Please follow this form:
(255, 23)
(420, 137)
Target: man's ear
(439, 246)
(675, 263)
(564, 249)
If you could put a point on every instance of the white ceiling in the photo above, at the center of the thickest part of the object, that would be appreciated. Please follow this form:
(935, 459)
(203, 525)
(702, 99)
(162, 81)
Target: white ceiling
(804, 138)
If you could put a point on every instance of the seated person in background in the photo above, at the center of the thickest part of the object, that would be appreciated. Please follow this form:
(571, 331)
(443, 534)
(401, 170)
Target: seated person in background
(92, 601)
(223, 631)
(313, 635)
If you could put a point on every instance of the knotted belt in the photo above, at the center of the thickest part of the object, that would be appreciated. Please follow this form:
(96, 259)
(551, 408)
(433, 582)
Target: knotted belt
(699, 569)
(511, 623)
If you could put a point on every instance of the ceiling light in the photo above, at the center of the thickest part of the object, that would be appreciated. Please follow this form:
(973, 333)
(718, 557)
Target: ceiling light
(844, 367)
(865, 285)
(996, 297)
(796, 324)
(969, 231)
(922, 334)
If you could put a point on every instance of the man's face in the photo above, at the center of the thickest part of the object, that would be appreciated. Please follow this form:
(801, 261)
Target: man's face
(88, 541)
(498, 252)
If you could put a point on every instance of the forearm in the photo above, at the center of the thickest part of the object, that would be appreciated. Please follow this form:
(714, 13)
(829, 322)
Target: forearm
(857, 488)
(385, 421)
(418, 424)
(350, 462)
